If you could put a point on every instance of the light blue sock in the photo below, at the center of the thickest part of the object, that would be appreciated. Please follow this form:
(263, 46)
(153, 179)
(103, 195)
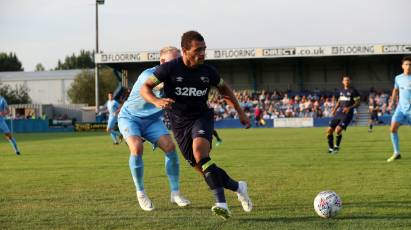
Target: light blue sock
(117, 133)
(137, 171)
(395, 143)
(173, 170)
(113, 136)
(14, 145)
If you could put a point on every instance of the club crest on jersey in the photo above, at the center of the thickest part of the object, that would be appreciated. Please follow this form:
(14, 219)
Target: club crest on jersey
(205, 79)
(179, 79)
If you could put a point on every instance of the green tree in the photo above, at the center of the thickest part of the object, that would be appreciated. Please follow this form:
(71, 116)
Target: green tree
(39, 67)
(10, 62)
(82, 89)
(85, 60)
(18, 95)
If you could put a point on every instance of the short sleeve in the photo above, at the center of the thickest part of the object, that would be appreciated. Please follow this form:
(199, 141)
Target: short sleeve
(396, 86)
(215, 80)
(161, 73)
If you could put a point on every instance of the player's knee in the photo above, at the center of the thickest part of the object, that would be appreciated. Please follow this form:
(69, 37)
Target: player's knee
(394, 127)
(201, 150)
(135, 145)
(169, 147)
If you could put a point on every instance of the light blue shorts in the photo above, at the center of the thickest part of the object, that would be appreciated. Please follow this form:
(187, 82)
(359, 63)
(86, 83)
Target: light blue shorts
(111, 123)
(3, 127)
(149, 129)
(401, 116)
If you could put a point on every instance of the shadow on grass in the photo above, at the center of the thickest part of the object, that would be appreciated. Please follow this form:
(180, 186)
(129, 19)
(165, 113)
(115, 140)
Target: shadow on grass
(374, 217)
(279, 219)
(405, 214)
(379, 204)
(190, 207)
(29, 137)
(300, 219)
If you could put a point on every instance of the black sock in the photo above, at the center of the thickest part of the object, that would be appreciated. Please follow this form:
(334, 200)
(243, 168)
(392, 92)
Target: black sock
(212, 177)
(330, 138)
(219, 195)
(338, 141)
(216, 135)
(228, 182)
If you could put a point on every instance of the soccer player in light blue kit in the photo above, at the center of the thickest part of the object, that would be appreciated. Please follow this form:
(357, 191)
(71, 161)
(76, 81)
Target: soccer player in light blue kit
(113, 108)
(139, 119)
(402, 115)
(4, 110)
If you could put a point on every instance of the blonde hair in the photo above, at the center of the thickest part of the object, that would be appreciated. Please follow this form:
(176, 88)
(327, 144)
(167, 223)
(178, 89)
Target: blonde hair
(168, 49)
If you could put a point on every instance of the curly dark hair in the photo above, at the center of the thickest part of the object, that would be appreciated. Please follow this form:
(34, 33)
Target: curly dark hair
(190, 36)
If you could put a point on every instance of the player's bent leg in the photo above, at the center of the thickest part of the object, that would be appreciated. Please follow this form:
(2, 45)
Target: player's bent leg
(112, 135)
(216, 176)
(370, 125)
(111, 123)
(12, 142)
(201, 149)
(330, 139)
(338, 132)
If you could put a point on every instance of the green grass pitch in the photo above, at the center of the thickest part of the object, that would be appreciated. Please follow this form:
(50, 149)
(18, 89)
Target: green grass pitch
(82, 181)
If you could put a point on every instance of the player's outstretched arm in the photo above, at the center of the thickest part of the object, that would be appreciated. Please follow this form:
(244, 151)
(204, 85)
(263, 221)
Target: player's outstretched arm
(146, 92)
(230, 98)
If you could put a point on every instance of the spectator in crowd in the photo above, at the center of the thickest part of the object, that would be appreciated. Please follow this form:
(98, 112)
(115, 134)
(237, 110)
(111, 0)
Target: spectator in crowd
(278, 104)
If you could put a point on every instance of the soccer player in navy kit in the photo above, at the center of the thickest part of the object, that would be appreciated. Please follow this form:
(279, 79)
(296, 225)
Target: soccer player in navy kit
(373, 109)
(187, 82)
(343, 113)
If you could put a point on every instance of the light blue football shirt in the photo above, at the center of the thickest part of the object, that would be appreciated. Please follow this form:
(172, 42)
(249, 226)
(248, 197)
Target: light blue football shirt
(3, 106)
(112, 107)
(403, 83)
(136, 106)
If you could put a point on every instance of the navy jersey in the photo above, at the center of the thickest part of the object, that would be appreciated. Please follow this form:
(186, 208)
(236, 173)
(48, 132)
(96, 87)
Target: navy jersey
(188, 87)
(347, 98)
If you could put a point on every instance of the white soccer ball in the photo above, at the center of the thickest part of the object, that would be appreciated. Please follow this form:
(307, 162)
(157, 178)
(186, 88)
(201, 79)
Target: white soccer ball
(327, 204)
